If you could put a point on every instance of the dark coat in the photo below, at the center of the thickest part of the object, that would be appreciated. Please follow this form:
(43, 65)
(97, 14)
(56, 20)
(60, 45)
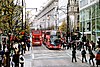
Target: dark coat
(16, 58)
(91, 55)
(83, 53)
(74, 53)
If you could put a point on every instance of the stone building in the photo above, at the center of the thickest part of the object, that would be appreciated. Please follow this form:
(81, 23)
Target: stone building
(47, 17)
(73, 13)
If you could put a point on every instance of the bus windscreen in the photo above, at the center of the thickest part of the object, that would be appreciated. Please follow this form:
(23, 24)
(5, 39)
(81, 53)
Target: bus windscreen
(36, 32)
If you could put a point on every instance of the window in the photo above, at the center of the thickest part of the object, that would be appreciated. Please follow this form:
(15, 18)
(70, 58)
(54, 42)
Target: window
(91, 1)
(88, 26)
(83, 3)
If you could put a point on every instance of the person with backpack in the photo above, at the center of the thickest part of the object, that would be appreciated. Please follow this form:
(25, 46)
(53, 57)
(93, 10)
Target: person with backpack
(83, 53)
(92, 56)
(98, 58)
(21, 60)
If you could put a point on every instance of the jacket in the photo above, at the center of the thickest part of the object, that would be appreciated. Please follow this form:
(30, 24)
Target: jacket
(98, 55)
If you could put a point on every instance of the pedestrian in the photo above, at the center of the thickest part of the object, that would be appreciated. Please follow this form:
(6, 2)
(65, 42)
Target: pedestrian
(28, 45)
(73, 45)
(92, 56)
(98, 58)
(63, 44)
(80, 45)
(69, 45)
(74, 55)
(11, 61)
(22, 49)
(16, 59)
(93, 46)
(4, 61)
(83, 53)
(21, 60)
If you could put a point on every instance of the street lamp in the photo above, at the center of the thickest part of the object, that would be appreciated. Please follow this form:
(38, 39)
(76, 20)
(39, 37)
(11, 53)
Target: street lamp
(56, 21)
(48, 18)
(22, 13)
(27, 14)
(67, 22)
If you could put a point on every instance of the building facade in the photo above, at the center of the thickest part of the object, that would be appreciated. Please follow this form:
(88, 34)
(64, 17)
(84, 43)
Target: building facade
(90, 19)
(48, 16)
(73, 13)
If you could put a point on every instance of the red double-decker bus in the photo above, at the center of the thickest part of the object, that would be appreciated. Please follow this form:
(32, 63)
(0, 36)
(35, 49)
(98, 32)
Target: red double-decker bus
(52, 41)
(36, 37)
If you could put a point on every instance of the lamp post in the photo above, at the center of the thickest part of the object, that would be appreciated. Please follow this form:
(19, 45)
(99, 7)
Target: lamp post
(56, 21)
(22, 13)
(26, 13)
(67, 22)
(48, 18)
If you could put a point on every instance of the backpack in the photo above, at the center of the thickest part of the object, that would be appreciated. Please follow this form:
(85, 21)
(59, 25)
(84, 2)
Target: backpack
(22, 59)
(83, 52)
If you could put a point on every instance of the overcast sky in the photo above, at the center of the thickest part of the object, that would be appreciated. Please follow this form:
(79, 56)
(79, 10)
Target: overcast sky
(35, 4)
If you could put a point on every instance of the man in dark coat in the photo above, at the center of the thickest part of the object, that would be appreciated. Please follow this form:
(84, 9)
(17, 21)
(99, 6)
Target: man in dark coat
(83, 53)
(74, 55)
(16, 59)
(92, 56)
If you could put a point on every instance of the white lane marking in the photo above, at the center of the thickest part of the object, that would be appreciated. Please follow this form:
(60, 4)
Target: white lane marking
(33, 56)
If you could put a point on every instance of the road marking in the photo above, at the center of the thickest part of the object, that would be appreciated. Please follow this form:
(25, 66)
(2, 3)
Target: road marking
(33, 56)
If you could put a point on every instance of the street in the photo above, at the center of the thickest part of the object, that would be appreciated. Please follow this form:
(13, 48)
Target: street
(40, 56)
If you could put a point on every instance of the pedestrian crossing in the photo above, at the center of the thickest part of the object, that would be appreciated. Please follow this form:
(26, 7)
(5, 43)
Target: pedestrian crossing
(49, 55)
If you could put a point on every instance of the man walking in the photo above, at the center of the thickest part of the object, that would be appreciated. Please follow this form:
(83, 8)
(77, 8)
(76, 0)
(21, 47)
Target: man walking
(92, 56)
(83, 53)
(74, 55)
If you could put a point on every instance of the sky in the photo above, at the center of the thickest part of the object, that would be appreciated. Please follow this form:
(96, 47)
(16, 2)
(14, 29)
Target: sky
(35, 4)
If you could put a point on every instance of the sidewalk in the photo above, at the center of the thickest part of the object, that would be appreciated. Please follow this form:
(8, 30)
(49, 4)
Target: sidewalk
(28, 59)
